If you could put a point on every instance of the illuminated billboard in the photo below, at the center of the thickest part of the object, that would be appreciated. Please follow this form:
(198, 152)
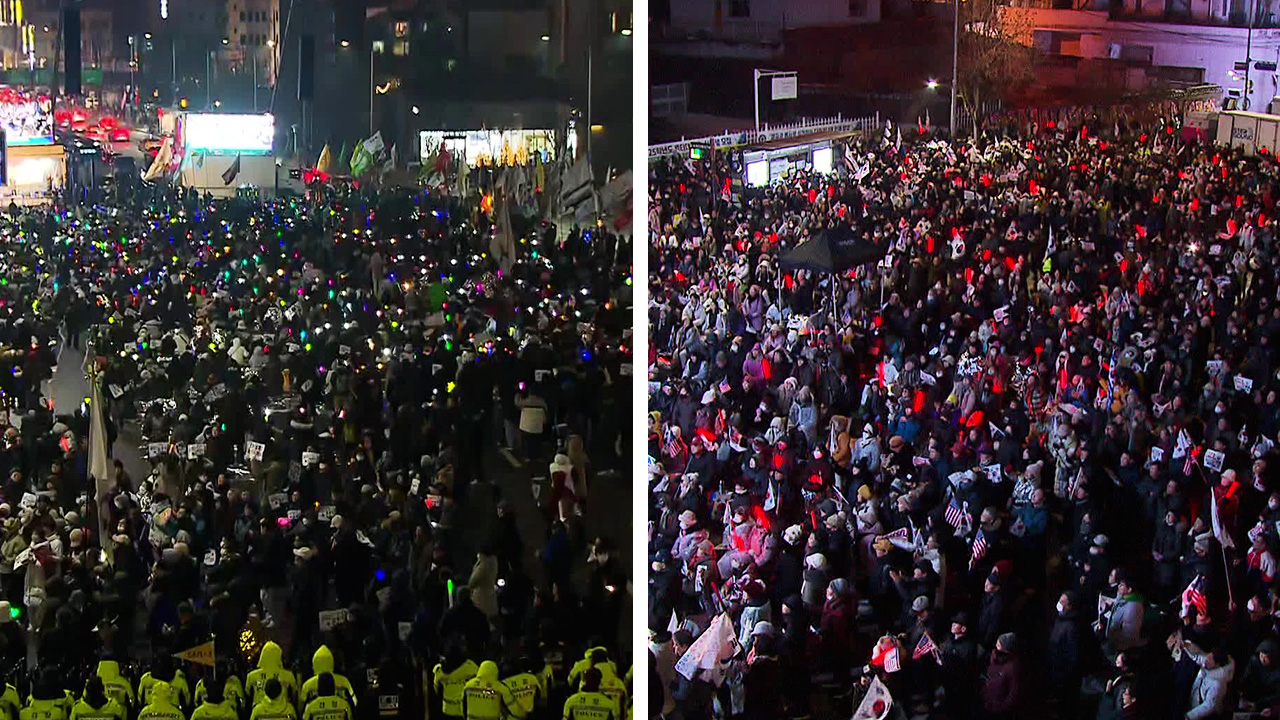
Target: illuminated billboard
(218, 134)
(489, 147)
(24, 120)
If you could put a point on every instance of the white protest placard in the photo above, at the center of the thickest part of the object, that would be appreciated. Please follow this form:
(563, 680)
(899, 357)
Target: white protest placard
(277, 499)
(1104, 606)
(115, 391)
(294, 515)
(310, 459)
(715, 645)
(28, 500)
(195, 450)
(179, 450)
(994, 473)
(344, 350)
(797, 322)
(1244, 384)
(156, 449)
(1215, 368)
(956, 478)
(1213, 460)
(539, 375)
(1157, 454)
(254, 450)
(625, 370)
(326, 513)
(1001, 313)
(928, 379)
(295, 471)
(330, 619)
(413, 486)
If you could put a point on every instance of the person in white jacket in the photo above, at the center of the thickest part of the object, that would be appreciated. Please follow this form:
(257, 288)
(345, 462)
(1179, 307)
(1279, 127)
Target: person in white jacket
(1209, 691)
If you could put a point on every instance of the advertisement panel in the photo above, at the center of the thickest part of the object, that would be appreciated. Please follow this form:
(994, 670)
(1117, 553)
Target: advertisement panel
(489, 147)
(24, 120)
(227, 134)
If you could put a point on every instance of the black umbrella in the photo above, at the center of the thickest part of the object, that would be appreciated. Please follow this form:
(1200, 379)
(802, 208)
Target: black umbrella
(831, 251)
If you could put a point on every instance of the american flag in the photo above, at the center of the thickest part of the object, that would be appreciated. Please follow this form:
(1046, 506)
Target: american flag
(926, 646)
(899, 534)
(979, 549)
(1194, 596)
(675, 446)
(1190, 462)
(955, 515)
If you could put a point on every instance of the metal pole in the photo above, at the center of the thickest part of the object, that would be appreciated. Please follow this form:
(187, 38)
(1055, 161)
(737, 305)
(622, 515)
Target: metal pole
(207, 75)
(371, 90)
(589, 133)
(1248, 58)
(254, 59)
(755, 96)
(955, 62)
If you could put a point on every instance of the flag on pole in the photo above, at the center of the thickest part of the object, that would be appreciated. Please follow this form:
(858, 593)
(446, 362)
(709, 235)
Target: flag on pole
(876, 704)
(325, 163)
(770, 499)
(99, 463)
(229, 175)
(576, 186)
(926, 646)
(1183, 444)
(1215, 521)
(955, 515)
(1194, 596)
(979, 549)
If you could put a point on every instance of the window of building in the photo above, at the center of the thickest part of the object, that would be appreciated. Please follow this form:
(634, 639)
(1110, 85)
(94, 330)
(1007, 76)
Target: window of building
(401, 48)
(242, 16)
(740, 8)
(244, 40)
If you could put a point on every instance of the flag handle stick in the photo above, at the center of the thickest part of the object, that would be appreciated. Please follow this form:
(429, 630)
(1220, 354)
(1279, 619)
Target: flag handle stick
(1226, 566)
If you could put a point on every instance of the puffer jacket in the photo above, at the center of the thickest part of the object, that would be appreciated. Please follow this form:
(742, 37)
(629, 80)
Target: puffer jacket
(1209, 692)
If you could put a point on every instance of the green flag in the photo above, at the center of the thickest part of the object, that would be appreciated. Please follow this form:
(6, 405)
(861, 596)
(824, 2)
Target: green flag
(344, 160)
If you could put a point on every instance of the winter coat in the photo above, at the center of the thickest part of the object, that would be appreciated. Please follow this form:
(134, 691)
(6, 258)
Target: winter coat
(1001, 693)
(1209, 692)
(1124, 629)
(484, 585)
(1064, 655)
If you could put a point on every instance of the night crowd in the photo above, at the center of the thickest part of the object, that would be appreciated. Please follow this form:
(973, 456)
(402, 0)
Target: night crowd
(1024, 466)
(329, 397)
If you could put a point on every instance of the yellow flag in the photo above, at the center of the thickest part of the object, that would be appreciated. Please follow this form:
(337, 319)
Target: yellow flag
(326, 160)
(200, 654)
(1047, 265)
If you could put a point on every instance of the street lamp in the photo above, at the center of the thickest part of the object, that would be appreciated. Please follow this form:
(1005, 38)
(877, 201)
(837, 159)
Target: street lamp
(626, 32)
(546, 38)
(344, 43)
(414, 109)
(931, 84)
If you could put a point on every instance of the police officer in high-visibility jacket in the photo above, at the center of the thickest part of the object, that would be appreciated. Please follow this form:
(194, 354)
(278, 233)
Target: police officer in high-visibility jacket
(270, 666)
(322, 662)
(47, 701)
(449, 679)
(214, 703)
(163, 670)
(327, 705)
(595, 657)
(526, 686)
(163, 705)
(614, 689)
(116, 686)
(485, 698)
(589, 703)
(10, 702)
(273, 704)
(95, 705)
(232, 688)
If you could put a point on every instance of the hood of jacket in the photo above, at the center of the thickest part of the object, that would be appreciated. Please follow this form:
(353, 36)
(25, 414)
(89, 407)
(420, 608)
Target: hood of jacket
(488, 671)
(270, 657)
(161, 693)
(322, 661)
(109, 671)
(1222, 674)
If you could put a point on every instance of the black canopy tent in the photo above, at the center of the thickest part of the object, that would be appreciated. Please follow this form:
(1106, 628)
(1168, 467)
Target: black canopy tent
(831, 251)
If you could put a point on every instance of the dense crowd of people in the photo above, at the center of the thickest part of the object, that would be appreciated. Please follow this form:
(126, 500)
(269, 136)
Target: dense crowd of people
(322, 390)
(1024, 465)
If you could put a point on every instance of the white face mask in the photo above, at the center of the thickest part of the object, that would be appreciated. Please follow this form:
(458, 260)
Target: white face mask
(1061, 607)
